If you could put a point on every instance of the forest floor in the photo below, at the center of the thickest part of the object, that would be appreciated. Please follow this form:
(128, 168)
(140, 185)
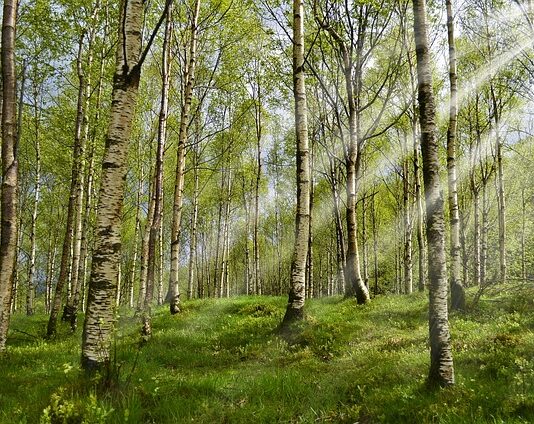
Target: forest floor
(221, 361)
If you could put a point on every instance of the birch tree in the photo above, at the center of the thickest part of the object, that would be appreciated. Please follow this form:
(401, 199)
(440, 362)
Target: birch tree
(295, 305)
(100, 315)
(189, 80)
(457, 289)
(441, 364)
(9, 196)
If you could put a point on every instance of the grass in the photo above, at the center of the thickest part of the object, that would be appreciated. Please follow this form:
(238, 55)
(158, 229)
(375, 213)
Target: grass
(221, 361)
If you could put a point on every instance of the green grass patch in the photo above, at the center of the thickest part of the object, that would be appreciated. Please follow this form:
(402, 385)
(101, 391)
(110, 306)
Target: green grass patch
(223, 361)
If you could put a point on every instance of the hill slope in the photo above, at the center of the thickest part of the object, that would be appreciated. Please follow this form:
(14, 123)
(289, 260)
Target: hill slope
(222, 361)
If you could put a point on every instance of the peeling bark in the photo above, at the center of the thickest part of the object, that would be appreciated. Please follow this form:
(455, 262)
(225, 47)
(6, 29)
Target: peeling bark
(100, 316)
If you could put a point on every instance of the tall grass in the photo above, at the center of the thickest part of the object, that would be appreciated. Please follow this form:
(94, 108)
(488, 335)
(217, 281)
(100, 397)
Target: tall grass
(222, 361)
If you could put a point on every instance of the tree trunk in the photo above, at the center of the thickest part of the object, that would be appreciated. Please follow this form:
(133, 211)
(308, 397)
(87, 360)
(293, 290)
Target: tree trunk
(340, 240)
(37, 187)
(156, 221)
(365, 249)
(18, 243)
(223, 289)
(100, 316)
(375, 244)
(441, 364)
(309, 259)
(50, 270)
(65, 268)
(89, 189)
(295, 305)
(189, 78)
(137, 230)
(218, 250)
(353, 277)
(145, 254)
(194, 222)
(419, 212)
(523, 232)
(457, 288)
(259, 130)
(71, 310)
(476, 238)
(501, 200)
(278, 230)
(161, 257)
(484, 235)
(248, 285)
(9, 196)
(407, 221)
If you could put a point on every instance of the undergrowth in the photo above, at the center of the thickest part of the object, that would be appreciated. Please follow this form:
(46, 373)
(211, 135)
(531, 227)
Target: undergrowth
(224, 361)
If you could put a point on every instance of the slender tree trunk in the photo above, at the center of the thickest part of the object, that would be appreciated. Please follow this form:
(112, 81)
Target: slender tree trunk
(309, 259)
(223, 290)
(476, 237)
(441, 364)
(463, 244)
(156, 221)
(398, 255)
(189, 78)
(278, 224)
(501, 200)
(18, 243)
(248, 285)
(218, 250)
(100, 315)
(523, 232)
(484, 235)
(295, 305)
(226, 276)
(353, 277)
(340, 240)
(65, 267)
(9, 196)
(50, 270)
(194, 223)
(137, 230)
(407, 222)
(89, 189)
(365, 248)
(37, 193)
(457, 288)
(259, 131)
(19, 116)
(71, 311)
(145, 254)
(161, 254)
(375, 244)
(420, 213)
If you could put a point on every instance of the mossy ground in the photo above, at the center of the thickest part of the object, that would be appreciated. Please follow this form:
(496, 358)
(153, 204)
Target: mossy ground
(222, 361)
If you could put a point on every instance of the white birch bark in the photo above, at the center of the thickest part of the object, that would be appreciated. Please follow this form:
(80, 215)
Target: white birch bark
(441, 365)
(100, 315)
(295, 305)
(189, 77)
(9, 197)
